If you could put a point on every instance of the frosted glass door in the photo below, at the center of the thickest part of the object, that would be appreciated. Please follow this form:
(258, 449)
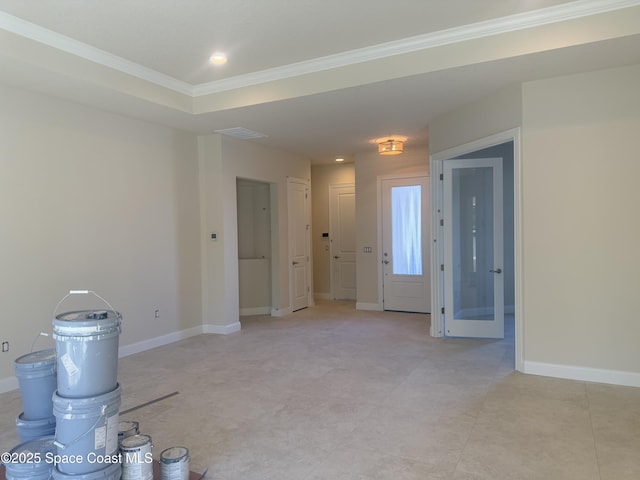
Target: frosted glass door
(474, 287)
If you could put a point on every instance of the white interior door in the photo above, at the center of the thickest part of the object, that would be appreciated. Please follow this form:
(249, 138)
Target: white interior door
(473, 250)
(342, 221)
(405, 244)
(298, 198)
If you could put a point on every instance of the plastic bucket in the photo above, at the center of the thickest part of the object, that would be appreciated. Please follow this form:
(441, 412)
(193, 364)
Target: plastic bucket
(174, 464)
(112, 472)
(31, 460)
(87, 346)
(137, 460)
(34, 429)
(87, 431)
(36, 373)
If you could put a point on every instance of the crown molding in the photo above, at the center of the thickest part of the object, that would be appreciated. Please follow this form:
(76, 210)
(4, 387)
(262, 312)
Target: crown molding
(520, 21)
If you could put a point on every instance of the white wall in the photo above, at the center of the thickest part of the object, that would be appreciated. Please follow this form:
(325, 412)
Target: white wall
(222, 161)
(581, 223)
(369, 166)
(91, 200)
(322, 176)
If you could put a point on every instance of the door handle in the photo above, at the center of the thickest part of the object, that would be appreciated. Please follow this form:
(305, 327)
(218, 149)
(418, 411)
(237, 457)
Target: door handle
(386, 262)
(336, 256)
(295, 263)
(497, 270)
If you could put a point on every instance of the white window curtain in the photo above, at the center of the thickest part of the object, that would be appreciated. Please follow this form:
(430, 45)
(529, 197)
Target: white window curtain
(406, 230)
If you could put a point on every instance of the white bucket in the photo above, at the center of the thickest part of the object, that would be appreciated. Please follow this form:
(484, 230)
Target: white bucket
(137, 460)
(87, 431)
(34, 429)
(127, 428)
(87, 347)
(174, 464)
(31, 460)
(112, 472)
(36, 373)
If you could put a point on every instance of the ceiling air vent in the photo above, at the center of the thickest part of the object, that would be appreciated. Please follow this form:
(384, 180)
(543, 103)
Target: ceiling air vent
(240, 132)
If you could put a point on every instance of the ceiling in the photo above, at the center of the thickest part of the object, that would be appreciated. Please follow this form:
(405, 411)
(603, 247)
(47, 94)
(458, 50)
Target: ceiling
(321, 79)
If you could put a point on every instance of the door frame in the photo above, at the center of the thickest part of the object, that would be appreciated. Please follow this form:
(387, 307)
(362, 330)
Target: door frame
(309, 274)
(380, 179)
(437, 234)
(332, 214)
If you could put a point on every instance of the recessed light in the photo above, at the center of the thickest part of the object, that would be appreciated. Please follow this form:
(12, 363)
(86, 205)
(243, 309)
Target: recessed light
(339, 159)
(218, 58)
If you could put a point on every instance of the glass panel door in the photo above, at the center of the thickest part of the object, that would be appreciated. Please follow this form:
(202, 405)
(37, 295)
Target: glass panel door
(474, 297)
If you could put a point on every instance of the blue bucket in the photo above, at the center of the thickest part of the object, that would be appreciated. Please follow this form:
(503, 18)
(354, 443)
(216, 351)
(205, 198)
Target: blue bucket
(32, 460)
(112, 472)
(34, 429)
(87, 431)
(87, 346)
(36, 373)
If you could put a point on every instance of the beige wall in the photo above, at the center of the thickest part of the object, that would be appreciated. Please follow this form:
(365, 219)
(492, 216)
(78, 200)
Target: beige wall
(369, 166)
(91, 200)
(492, 114)
(222, 161)
(580, 219)
(322, 176)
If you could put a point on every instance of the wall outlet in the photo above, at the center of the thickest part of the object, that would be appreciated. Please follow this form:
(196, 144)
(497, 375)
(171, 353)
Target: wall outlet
(5, 346)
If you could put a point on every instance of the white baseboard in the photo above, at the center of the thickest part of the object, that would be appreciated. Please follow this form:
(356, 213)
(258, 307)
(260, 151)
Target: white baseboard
(322, 296)
(8, 384)
(376, 307)
(155, 342)
(281, 312)
(221, 329)
(245, 312)
(614, 377)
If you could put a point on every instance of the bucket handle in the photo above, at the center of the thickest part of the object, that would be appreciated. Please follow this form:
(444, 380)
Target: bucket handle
(103, 414)
(81, 292)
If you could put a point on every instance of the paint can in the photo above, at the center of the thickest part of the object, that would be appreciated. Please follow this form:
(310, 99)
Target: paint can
(174, 464)
(127, 428)
(87, 431)
(34, 429)
(36, 373)
(111, 472)
(137, 460)
(31, 460)
(87, 348)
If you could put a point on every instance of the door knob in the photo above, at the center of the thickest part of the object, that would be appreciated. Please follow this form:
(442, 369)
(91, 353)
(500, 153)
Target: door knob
(336, 256)
(386, 262)
(497, 270)
(295, 263)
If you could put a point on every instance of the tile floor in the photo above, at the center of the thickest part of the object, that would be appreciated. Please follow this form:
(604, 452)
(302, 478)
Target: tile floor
(331, 393)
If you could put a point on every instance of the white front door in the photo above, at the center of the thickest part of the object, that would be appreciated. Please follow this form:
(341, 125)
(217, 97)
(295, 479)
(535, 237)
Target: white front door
(405, 244)
(473, 250)
(298, 197)
(342, 221)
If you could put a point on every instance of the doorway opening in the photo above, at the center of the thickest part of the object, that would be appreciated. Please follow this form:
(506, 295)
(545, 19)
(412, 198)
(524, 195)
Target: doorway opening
(506, 146)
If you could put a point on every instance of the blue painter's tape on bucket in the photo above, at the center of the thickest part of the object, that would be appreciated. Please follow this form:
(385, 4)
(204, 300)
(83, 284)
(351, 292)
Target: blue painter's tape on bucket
(87, 347)
(34, 429)
(36, 373)
(112, 472)
(87, 431)
(32, 460)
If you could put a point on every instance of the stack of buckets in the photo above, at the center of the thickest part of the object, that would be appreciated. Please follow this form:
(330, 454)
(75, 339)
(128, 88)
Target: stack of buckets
(82, 403)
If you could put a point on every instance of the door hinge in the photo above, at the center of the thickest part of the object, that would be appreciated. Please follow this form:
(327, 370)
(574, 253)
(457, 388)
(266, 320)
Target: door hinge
(442, 267)
(442, 310)
(442, 222)
(442, 176)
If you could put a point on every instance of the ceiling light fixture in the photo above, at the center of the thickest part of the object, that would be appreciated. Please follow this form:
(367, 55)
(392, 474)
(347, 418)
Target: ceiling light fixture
(218, 59)
(339, 159)
(391, 145)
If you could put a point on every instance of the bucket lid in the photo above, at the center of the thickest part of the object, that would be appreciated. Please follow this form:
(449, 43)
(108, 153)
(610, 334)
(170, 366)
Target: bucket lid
(86, 322)
(39, 423)
(127, 425)
(38, 445)
(87, 406)
(173, 454)
(36, 359)
(135, 441)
